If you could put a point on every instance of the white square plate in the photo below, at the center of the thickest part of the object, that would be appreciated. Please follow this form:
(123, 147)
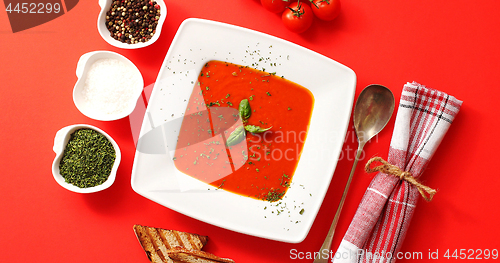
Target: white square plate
(154, 174)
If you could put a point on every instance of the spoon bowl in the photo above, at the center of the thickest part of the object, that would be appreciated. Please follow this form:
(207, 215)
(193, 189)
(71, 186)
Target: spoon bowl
(372, 112)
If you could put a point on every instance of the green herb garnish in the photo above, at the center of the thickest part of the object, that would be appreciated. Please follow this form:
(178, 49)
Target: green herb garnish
(273, 195)
(244, 109)
(236, 136)
(256, 129)
(87, 159)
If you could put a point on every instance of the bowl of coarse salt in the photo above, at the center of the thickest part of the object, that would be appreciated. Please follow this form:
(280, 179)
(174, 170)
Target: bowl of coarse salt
(131, 24)
(108, 86)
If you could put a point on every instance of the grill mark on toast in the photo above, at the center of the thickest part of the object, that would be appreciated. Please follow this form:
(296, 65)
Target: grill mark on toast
(200, 241)
(180, 254)
(165, 243)
(191, 242)
(170, 239)
(158, 244)
(177, 237)
(185, 240)
(147, 245)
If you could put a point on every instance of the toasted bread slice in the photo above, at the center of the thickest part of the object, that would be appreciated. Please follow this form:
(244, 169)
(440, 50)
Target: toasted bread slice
(157, 241)
(183, 255)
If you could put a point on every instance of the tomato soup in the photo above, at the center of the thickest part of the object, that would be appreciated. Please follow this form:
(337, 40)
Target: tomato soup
(252, 153)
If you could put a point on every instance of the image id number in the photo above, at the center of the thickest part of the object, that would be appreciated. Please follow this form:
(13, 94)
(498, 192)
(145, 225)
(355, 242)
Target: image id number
(471, 254)
(34, 8)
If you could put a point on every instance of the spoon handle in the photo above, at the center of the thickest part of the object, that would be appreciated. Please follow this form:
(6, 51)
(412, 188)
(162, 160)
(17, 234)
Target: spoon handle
(321, 257)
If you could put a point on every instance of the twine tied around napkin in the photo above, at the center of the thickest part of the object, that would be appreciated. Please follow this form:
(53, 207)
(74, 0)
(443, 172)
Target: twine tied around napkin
(387, 168)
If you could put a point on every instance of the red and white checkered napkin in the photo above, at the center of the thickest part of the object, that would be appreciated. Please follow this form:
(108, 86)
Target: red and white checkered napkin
(379, 226)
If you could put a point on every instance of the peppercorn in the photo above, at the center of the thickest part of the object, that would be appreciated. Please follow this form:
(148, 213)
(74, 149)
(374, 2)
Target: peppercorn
(127, 20)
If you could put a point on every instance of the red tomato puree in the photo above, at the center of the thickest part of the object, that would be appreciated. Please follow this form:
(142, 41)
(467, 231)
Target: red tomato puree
(262, 165)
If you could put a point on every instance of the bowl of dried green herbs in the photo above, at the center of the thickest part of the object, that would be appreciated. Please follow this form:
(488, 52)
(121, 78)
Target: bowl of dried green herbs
(86, 159)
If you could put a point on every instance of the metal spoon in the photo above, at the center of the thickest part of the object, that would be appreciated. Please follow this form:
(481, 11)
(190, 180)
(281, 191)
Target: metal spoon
(373, 110)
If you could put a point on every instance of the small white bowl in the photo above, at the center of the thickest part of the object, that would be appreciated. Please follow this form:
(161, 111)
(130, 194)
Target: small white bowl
(61, 140)
(105, 34)
(82, 68)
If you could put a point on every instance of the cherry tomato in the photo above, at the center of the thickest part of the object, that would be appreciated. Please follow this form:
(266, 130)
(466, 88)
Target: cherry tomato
(275, 6)
(326, 10)
(298, 17)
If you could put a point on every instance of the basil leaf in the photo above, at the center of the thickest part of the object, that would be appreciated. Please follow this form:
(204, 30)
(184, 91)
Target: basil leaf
(256, 129)
(236, 136)
(244, 109)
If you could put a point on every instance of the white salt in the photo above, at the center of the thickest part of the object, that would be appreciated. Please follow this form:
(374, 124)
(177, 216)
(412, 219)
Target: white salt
(111, 86)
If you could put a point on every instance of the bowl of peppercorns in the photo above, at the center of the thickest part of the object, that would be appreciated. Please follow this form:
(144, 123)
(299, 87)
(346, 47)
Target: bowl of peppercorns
(131, 24)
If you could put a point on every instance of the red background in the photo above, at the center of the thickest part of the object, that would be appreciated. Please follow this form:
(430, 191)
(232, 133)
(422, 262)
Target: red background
(447, 45)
